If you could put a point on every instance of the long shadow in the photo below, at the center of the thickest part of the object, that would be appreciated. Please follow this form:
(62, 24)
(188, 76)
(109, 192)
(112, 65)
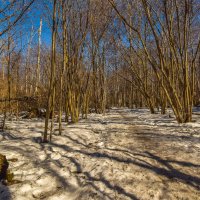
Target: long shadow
(169, 173)
(116, 188)
(75, 141)
(46, 164)
(62, 180)
(173, 173)
(10, 136)
(166, 137)
(166, 169)
(5, 193)
(89, 177)
(130, 153)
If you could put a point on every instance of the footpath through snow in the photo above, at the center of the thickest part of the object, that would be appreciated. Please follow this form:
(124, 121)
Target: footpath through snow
(126, 154)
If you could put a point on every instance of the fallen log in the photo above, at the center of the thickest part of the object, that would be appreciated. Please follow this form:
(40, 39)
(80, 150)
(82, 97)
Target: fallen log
(25, 98)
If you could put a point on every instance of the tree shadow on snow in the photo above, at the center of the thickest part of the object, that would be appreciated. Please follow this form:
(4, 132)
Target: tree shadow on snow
(170, 172)
(145, 160)
(178, 137)
(10, 136)
(164, 168)
(5, 193)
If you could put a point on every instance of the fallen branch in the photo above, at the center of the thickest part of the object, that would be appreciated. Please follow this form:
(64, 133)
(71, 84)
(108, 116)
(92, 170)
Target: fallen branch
(18, 99)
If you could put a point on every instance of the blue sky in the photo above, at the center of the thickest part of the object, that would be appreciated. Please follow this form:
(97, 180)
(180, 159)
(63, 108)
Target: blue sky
(34, 20)
(31, 18)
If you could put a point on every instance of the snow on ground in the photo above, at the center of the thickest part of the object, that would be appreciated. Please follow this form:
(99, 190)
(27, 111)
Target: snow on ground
(126, 154)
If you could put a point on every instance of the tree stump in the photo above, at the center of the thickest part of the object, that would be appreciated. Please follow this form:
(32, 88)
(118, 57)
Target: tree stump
(3, 168)
(1, 125)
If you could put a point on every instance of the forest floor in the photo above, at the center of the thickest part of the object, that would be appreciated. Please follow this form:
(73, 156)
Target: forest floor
(126, 154)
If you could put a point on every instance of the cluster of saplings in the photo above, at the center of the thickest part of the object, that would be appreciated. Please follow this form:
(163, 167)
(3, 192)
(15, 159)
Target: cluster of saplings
(109, 53)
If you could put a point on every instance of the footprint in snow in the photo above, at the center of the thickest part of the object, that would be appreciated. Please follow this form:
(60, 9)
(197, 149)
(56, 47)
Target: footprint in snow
(55, 156)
